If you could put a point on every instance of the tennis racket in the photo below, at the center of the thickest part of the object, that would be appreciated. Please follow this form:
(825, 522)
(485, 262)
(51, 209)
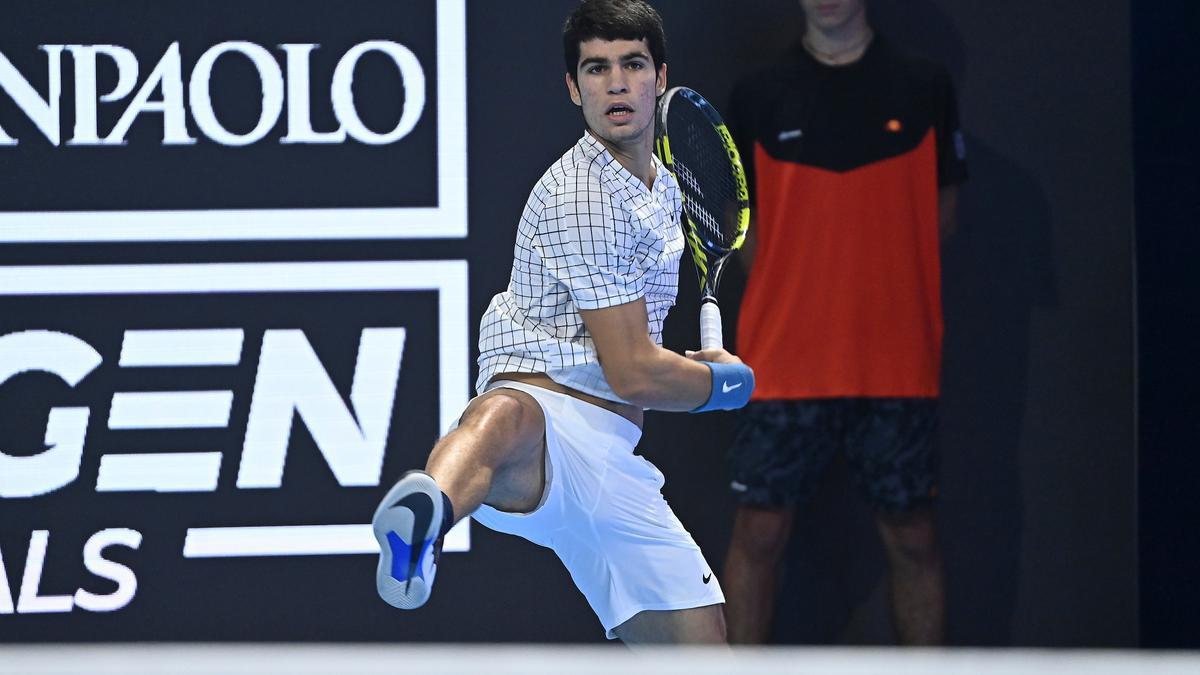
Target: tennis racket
(693, 143)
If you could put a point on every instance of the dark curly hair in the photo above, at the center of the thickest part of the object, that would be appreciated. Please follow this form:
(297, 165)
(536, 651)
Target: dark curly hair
(613, 20)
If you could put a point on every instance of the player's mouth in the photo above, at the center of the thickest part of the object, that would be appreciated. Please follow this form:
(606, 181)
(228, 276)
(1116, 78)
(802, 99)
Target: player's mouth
(619, 112)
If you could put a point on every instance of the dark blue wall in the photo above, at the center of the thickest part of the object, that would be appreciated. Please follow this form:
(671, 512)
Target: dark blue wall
(1166, 77)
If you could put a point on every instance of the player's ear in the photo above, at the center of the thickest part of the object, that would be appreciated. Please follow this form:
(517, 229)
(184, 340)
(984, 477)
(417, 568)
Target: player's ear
(573, 90)
(660, 80)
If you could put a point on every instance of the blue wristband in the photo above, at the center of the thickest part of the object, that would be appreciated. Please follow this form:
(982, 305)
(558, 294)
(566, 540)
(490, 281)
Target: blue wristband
(732, 384)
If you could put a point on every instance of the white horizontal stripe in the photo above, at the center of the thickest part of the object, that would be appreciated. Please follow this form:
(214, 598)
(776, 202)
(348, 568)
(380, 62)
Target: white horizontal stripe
(159, 472)
(241, 542)
(170, 410)
(237, 224)
(175, 348)
(232, 277)
(533, 659)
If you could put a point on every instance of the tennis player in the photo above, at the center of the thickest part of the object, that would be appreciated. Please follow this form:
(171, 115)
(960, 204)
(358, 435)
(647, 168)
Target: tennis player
(570, 355)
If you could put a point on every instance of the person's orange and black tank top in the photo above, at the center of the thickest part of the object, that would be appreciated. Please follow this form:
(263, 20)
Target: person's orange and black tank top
(845, 162)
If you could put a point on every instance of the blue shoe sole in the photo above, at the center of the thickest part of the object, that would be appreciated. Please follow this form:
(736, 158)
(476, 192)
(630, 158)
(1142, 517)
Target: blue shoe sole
(406, 526)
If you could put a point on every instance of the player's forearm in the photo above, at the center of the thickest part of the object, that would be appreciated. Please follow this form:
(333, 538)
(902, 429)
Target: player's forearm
(662, 380)
(645, 374)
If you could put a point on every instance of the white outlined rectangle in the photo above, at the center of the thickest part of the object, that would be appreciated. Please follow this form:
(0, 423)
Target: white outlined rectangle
(447, 220)
(448, 278)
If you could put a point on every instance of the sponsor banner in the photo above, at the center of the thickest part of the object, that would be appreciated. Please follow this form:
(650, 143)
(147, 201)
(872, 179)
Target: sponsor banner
(283, 119)
(158, 415)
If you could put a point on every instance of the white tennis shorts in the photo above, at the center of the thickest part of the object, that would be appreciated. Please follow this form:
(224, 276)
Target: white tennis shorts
(604, 514)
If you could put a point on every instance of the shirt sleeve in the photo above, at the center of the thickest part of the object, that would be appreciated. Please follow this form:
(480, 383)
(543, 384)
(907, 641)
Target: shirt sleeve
(588, 247)
(951, 146)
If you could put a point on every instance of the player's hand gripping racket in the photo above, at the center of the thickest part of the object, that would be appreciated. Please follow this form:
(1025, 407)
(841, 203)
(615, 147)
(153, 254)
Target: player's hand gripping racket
(693, 143)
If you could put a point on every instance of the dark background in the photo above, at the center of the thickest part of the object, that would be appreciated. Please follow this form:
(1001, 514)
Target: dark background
(1039, 510)
(1166, 141)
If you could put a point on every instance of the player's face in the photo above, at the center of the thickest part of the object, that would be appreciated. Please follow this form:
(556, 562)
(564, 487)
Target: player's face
(830, 15)
(616, 85)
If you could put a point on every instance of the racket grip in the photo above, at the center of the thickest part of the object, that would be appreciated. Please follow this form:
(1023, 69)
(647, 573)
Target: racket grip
(710, 326)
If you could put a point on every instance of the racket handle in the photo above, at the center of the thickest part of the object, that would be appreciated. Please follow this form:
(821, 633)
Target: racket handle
(710, 325)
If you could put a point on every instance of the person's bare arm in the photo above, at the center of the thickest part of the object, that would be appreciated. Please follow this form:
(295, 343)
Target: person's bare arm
(640, 371)
(947, 211)
(749, 247)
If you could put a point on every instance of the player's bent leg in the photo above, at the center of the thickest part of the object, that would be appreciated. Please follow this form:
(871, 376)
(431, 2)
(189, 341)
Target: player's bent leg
(760, 536)
(495, 454)
(917, 584)
(697, 625)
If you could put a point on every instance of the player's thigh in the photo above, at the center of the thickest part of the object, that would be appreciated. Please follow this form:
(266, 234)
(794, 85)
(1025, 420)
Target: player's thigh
(501, 434)
(892, 451)
(697, 625)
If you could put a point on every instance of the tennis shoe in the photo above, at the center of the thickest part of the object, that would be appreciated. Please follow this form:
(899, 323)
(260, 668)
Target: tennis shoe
(408, 526)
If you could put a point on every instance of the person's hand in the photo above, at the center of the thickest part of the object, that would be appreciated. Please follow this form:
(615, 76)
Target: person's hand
(712, 356)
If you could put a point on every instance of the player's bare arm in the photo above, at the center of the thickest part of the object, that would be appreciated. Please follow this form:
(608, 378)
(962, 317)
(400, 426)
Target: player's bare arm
(643, 373)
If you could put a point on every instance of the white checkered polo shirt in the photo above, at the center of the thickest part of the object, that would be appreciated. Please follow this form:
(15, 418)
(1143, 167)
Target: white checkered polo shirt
(592, 236)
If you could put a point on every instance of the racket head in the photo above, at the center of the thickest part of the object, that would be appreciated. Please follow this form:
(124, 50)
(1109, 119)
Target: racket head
(694, 144)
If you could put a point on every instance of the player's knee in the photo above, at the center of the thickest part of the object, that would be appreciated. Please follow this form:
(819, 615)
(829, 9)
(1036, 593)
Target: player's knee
(503, 414)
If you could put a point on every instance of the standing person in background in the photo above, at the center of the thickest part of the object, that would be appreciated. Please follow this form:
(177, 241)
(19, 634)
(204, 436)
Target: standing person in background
(854, 152)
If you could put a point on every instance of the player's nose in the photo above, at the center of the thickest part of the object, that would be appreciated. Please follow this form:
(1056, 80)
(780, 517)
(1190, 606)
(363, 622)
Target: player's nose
(618, 82)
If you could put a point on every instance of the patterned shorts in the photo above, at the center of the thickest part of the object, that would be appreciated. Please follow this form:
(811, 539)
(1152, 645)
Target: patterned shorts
(782, 448)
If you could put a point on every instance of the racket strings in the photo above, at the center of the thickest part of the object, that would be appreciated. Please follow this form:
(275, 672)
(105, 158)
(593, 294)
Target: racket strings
(703, 160)
(694, 205)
